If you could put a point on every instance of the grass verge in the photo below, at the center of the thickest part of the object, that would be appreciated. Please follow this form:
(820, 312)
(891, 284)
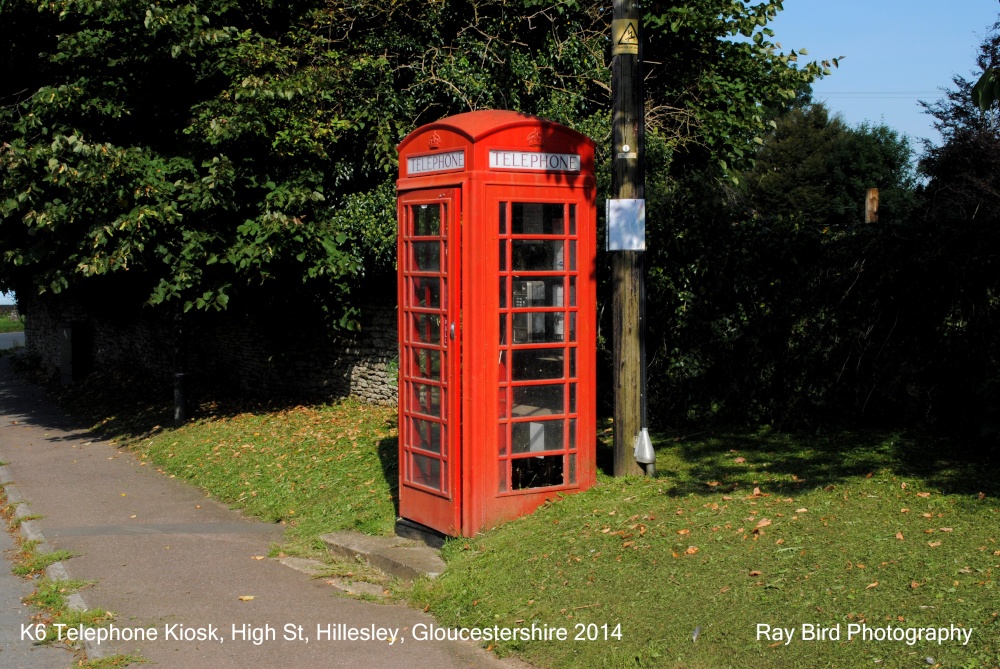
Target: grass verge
(11, 324)
(740, 530)
(51, 596)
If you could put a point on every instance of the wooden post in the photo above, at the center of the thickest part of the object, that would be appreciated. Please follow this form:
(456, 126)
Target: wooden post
(871, 206)
(626, 266)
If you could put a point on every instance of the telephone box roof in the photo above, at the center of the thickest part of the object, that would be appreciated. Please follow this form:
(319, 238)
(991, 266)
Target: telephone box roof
(476, 125)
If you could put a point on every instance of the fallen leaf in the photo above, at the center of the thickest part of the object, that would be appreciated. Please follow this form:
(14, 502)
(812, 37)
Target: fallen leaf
(740, 460)
(923, 494)
(899, 535)
(763, 522)
(246, 598)
(933, 544)
(947, 529)
(780, 541)
(258, 557)
(691, 550)
(914, 585)
(871, 585)
(725, 589)
(982, 495)
(926, 515)
(801, 510)
(713, 484)
(756, 492)
(683, 532)
(756, 573)
(904, 510)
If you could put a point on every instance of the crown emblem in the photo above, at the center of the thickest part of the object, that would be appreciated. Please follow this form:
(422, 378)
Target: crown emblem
(535, 138)
(434, 141)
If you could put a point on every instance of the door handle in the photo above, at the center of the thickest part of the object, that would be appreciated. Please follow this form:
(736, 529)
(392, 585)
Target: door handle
(451, 331)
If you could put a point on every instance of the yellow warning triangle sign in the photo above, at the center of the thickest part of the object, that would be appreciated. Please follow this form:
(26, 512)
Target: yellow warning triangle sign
(624, 37)
(629, 35)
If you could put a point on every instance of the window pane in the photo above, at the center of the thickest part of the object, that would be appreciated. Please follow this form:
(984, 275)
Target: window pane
(503, 292)
(426, 399)
(537, 255)
(536, 436)
(537, 291)
(426, 363)
(503, 255)
(572, 468)
(503, 218)
(536, 219)
(572, 219)
(426, 292)
(427, 220)
(425, 471)
(536, 472)
(537, 328)
(426, 435)
(426, 328)
(538, 400)
(537, 363)
(427, 256)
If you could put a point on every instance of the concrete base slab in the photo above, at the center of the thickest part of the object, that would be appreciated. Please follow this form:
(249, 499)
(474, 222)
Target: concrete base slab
(397, 556)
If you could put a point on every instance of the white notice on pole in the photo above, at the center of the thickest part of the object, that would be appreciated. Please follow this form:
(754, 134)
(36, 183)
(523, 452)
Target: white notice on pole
(626, 225)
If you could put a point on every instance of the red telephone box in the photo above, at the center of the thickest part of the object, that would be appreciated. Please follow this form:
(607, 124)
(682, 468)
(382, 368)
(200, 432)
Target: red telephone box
(497, 313)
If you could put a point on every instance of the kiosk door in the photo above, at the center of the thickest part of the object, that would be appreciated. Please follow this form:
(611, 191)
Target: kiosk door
(429, 358)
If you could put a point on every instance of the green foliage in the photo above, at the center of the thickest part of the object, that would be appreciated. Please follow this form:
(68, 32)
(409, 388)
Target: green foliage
(775, 304)
(196, 152)
(815, 169)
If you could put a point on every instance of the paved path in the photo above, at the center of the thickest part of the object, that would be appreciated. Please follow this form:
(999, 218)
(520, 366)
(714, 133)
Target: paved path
(11, 340)
(167, 558)
(16, 653)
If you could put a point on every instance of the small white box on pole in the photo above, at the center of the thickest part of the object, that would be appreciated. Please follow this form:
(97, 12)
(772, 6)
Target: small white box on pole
(626, 224)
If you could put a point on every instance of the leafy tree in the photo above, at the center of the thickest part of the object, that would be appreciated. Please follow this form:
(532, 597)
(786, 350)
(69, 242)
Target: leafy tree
(815, 169)
(203, 150)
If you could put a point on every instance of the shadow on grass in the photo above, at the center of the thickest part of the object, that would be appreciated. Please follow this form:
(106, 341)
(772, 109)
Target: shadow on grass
(388, 455)
(786, 463)
(128, 408)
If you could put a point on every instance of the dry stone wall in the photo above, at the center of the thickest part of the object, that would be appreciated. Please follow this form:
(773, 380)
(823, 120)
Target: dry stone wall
(223, 350)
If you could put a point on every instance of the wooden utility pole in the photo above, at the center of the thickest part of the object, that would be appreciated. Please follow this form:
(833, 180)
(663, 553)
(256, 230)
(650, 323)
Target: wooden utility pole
(627, 129)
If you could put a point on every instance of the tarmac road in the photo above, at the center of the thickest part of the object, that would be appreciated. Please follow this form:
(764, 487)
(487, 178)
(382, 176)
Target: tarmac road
(170, 561)
(11, 340)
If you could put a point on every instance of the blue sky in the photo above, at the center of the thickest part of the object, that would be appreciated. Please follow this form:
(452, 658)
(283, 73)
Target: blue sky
(895, 52)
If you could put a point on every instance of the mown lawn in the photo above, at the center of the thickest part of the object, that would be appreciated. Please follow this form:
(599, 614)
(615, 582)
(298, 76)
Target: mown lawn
(8, 324)
(743, 530)
(738, 530)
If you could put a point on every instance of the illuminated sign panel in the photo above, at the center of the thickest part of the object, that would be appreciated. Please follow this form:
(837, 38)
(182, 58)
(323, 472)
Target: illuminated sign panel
(533, 161)
(436, 162)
